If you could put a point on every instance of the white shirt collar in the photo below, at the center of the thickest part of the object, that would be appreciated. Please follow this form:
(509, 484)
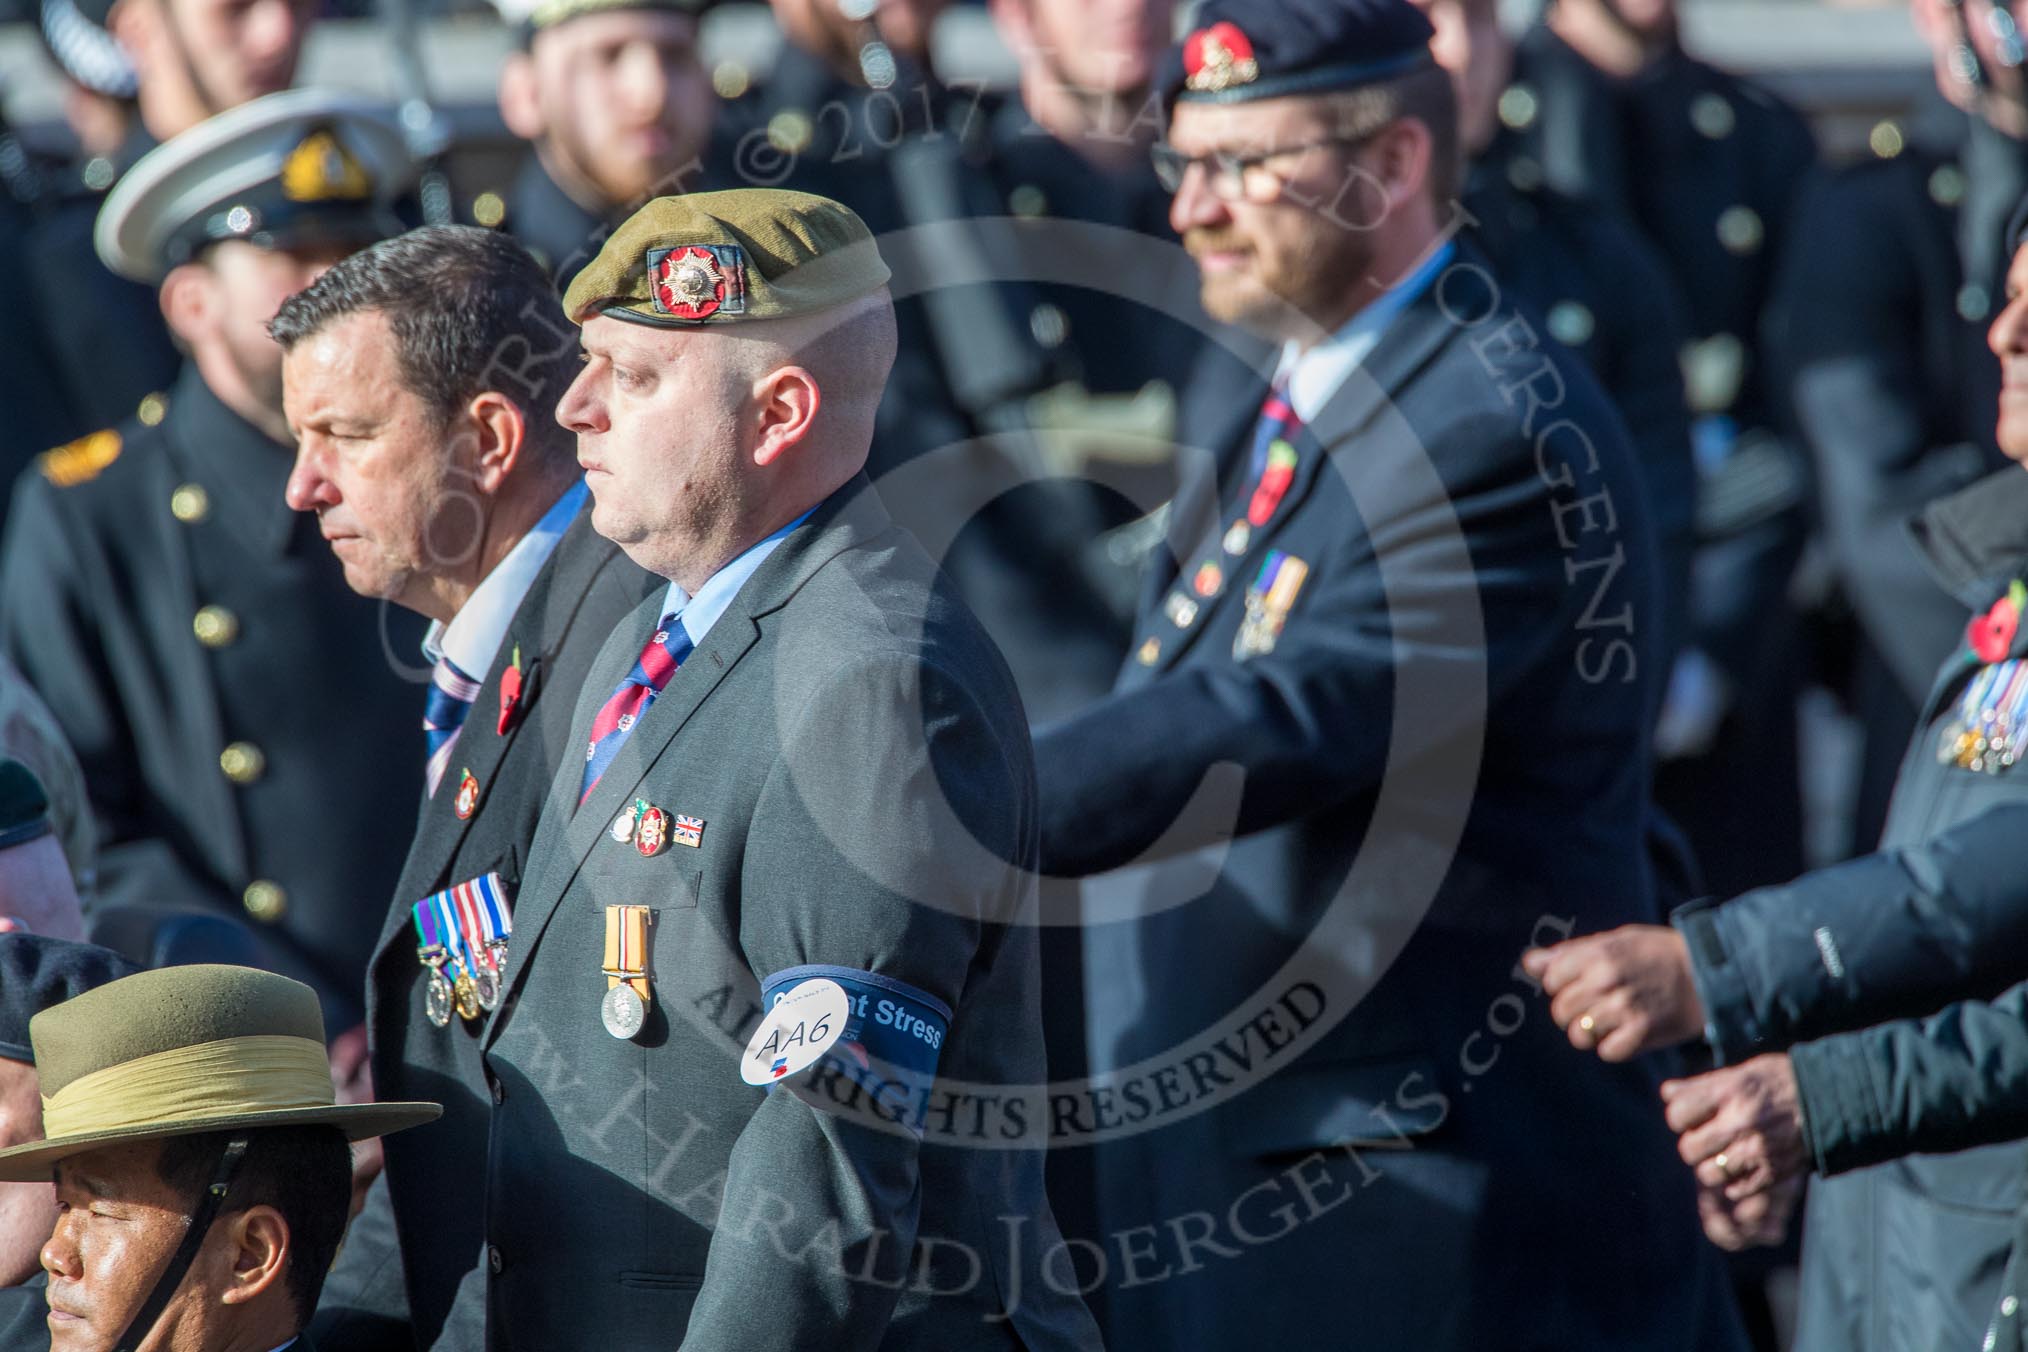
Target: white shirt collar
(1313, 376)
(698, 613)
(472, 639)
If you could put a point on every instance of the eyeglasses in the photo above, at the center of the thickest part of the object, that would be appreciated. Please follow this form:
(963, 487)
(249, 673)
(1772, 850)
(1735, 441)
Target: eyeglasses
(1237, 178)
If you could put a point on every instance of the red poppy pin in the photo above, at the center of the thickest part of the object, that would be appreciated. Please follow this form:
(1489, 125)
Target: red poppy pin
(510, 691)
(1991, 635)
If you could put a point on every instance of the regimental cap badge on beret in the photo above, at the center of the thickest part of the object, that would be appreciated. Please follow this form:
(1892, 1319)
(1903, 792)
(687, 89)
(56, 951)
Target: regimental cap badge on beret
(725, 257)
(321, 169)
(1217, 58)
(1292, 47)
(697, 281)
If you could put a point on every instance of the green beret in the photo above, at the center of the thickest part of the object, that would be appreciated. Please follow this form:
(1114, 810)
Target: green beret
(720, 257)
(24, 809)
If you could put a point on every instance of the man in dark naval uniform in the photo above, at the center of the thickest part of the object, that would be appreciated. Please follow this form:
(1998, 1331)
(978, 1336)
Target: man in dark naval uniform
(1062, 363)
(1896, 264)
(232, 703)
(1594, 280)
(1388, 711)
(191, 60)
(28, 377)
(1613, 111)
(421, 378)
(614, 100)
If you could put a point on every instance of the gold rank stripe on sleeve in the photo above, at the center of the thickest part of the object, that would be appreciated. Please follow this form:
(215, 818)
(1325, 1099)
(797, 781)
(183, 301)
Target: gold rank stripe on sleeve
(80, 461)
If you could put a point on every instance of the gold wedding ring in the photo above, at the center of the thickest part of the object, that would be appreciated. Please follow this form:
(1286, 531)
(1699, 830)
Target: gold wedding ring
(1587, 1023)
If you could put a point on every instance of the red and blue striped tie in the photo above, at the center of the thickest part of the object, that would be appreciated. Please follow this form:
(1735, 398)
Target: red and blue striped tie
(616, 718)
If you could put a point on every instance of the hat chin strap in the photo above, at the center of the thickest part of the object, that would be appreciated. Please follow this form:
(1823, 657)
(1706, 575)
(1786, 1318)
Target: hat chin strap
(199, 1222)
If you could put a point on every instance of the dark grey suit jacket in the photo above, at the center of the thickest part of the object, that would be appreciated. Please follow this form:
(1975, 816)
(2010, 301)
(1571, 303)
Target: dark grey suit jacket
(422, 1231)
(858, 756)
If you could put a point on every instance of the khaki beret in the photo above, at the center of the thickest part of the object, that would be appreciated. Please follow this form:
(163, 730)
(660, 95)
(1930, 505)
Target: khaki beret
(721, 257)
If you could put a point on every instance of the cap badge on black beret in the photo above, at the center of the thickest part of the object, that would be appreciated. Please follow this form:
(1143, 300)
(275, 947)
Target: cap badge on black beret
(1217, 58)
(320, 169)
(696, 281)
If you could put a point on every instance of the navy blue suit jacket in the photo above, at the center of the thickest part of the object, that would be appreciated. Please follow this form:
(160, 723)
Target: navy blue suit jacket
(1327, 1072)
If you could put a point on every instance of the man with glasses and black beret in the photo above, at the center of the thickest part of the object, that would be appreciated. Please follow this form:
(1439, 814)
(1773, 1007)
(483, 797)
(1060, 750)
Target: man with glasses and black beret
(1387, 715)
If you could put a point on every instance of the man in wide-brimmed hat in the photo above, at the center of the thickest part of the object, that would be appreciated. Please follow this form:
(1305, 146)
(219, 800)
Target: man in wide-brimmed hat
(202, 1169)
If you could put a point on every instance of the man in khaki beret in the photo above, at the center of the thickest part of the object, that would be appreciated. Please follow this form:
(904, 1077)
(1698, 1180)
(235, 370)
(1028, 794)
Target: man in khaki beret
(805, 788)
(201, 1168)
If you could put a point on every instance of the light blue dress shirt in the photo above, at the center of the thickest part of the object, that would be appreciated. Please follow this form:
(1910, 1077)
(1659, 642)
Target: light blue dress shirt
(698, 613)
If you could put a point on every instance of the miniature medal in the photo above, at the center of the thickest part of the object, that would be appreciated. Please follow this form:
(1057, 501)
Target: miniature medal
(437, 996)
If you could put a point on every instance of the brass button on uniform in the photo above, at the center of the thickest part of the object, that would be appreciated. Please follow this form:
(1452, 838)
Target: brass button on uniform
(1571, 323)
(216, 627)
(190, 504)
(1028, 201)
(1740, 230)
(153, 408)
(1947, 185)
(242, 762)
(265, 901)
(1518, 107)
(493, 1259)
(730, 79)
(1712, 116)
(489, 209)
(791, 131)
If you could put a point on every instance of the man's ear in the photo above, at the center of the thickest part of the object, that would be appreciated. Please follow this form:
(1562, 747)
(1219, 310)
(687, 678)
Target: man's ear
(788, 399)
(190, 302)
(259, 1247)
(132, 24)
(500, 430)
(1011, 18)
(520, 109)
(1402, 160)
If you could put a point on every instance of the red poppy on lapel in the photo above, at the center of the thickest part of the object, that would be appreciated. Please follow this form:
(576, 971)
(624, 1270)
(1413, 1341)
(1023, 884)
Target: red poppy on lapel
(1991, 635)
(510, 692)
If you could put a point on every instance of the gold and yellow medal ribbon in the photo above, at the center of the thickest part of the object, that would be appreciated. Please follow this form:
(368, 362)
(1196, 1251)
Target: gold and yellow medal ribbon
(627, 948)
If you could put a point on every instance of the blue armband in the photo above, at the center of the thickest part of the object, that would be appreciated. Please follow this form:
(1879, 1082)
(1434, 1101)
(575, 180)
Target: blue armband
(892, 1039)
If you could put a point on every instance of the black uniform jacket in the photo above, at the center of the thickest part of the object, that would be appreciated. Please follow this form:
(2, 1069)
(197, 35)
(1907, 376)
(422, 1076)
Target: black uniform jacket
(250, 730)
